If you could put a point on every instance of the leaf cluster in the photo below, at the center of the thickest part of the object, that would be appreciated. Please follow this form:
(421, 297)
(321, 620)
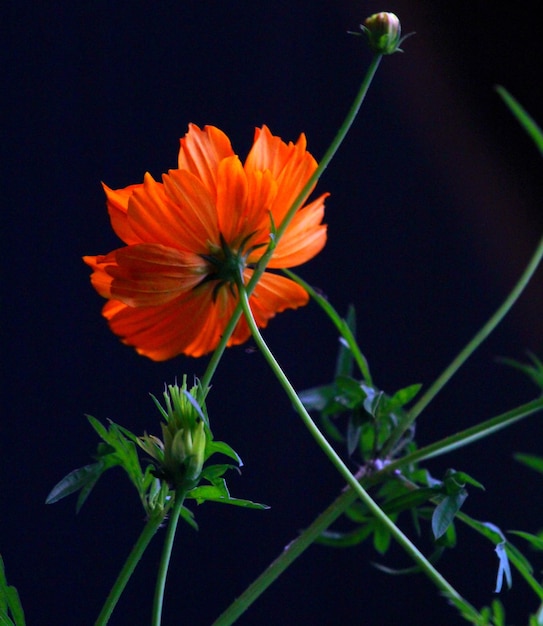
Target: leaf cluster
(11, 611)
(120, 447)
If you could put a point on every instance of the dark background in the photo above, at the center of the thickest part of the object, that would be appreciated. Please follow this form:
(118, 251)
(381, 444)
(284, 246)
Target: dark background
(435, 209)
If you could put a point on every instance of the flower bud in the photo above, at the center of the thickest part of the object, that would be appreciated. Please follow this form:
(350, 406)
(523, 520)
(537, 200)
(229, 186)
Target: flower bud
(180, 455)
(384, 32)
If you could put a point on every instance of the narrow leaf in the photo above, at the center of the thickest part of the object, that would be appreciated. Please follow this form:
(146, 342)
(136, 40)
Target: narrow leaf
(445, 511)
(530, 460)
(535, 541)
(525, 120)
(74, 481)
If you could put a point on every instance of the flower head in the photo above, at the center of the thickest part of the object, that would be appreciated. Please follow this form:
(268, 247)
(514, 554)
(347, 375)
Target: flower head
(384, 32)
(190, 238)
(180, 455)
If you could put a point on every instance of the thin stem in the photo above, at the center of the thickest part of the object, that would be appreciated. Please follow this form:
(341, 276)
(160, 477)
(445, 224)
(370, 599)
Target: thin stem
(469, 349)
(346, 499)
(128, 568)
(339, 323)
(263, 262)
(287, 556)
(165, 558)
(344, 471)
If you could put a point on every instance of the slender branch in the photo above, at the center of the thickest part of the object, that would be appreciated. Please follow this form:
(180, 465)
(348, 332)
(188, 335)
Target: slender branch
(165, 558)
(346, 499)
(344, 471)
(339, 323)
(128, 568)
(323, 164)
(469, 349)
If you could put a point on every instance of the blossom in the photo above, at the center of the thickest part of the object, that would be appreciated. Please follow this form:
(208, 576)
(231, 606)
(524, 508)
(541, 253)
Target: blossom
(173, 288)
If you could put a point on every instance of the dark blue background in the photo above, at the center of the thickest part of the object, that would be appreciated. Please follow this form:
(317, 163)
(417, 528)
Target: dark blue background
(435, 209)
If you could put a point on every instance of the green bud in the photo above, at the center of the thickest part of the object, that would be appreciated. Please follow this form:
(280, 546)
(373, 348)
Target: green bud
(384, 32)
(180, 455)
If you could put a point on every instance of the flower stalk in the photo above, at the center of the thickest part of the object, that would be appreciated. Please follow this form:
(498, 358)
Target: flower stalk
(442, 584)
(129, 566)
(323, 164)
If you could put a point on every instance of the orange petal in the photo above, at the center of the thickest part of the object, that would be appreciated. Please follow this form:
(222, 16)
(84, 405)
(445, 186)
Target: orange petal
(157, 217)
(191, 324)
(195, 218)
(291, 166)
(268, 152)
(232, 200)
(151, 274)
(304, 238)
(117, 206)
(201, 152)
(273, 294)
(100, 279)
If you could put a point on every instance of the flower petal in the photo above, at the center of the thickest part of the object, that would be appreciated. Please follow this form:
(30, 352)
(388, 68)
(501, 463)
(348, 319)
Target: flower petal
(291, 166)
(151, 274)
(201, 152)
(304, 238)
(196, 215)
(172, 213)
(100, 279)
(232, 201)
(191, 324)
(273, 294)
(117, 206)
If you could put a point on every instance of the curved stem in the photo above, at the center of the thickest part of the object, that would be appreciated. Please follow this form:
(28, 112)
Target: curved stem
(339, 323)
(344, 471)
(165, 558)
(469, 349)
(323, 164)
(288, 555)
(128, 568)
(296, 547)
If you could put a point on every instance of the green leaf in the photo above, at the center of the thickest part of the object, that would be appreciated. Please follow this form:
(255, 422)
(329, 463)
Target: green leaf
(317, 398)
(410, 500)
(214, 472)
(10, 603)
(82, 478)
(498, 613)
(525, 120)
(535, 371)
(215, 493)
(535, 541)
(345, 360)
(353, 434)
(337, 539)
(381, 538)
(349, 392)
(219, 447)
(330, 428)
(188, 516)
(445, 512)
(530, 460)
(403, 396)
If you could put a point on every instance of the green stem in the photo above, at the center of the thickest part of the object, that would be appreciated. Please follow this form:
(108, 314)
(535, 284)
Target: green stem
(294, 549)
(468, 350)
(128, 568)
(165, 558)
(344, 471)
(323, 164)
(339, 323)
(345, 500)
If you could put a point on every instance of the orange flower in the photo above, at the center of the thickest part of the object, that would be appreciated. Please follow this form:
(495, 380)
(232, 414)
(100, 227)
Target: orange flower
(172, 288)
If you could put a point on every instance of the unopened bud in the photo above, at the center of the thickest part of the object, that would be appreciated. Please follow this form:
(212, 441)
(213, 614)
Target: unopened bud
(384, 32)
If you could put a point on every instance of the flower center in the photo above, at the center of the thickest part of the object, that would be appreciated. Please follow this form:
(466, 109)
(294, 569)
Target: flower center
(227, 264)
